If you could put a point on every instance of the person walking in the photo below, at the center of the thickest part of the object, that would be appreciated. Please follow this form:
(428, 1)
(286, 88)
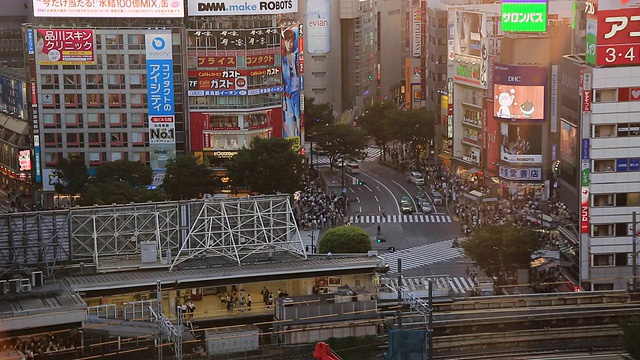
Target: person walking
(379, 229)
(248, 302)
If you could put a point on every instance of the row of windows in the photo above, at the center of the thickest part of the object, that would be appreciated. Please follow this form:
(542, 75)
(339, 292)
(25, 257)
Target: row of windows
(94, 120)
(615, 95)
(616, 130)
(612, 230)
(226, 102)
(138, 139)
(97, 158)
(76, 101)
(616, 165)
(617, 259)
(616, 200)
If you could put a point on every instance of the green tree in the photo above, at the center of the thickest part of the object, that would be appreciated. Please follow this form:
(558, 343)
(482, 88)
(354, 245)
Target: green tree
(375, 121)
(186, 178)
(72, 175)
(316, 116)
(343, 141)
(415, 127)
(631, 338)
(267, 167)
(118, 193)
(344, 240)
(132, 173)
(501, 247)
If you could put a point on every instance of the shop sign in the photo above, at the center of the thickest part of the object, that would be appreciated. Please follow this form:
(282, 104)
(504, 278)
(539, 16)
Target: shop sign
(584, 211)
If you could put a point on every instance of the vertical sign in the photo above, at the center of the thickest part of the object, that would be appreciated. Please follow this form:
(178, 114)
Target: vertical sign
(553, 111)
(31, 45)
(407, 84)
(416, 43)
(160, 94)
(585, 169)
(292, 79)
(318, 15)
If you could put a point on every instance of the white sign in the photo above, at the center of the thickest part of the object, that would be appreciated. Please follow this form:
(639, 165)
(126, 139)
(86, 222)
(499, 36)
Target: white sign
(417, 33)
(109, 9)
(318, 30)
(520, 174)
(522, 158)
(553, 111)
(241, 7)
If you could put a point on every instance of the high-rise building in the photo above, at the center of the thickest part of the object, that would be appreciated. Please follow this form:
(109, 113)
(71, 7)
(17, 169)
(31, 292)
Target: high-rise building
(14, 14)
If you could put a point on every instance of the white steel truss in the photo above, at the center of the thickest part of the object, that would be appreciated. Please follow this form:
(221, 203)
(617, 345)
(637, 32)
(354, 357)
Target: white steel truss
(240, 228)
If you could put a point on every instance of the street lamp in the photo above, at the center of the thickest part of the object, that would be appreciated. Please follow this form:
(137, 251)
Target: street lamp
(313, 236)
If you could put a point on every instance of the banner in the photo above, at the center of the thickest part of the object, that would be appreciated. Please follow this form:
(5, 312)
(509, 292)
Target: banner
(65, 47)
(292, 72)
(109, 9)
(241, 7)
(160, 94)
(240, 39)
(318, 21)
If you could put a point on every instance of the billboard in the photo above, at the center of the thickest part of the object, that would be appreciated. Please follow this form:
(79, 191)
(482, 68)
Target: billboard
(65, 47)
(492, 137)
(524, 16)
(241, 7)
(109, 9)
(416, 39)
(242, 39)
(318, 31)
(611, 34)
(292, 77)
(519, 102)
(160, 94)
(568, 142)
(520, 174)
(230, 61)
(468, 33)
(225, 79)
(521, 143)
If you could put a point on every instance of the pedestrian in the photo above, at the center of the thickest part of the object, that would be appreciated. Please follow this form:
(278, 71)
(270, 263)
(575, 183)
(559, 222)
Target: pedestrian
(249, 302)
(378, 229)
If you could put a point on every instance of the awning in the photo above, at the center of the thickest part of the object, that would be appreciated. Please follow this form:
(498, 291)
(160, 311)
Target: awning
(20, 127)
(474, 170)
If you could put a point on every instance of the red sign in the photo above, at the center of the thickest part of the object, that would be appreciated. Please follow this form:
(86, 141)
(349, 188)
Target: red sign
(584, 211)
(586, 100)
(618, 37)
(34, 94)
(162, 119)
(65, 47)
(217, 61)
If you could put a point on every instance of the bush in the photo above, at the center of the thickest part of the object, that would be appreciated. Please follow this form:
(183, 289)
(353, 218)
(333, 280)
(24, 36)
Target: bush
(344, 240)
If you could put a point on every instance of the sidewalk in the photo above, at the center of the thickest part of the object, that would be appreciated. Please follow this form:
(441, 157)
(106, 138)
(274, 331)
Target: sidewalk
(310, 240)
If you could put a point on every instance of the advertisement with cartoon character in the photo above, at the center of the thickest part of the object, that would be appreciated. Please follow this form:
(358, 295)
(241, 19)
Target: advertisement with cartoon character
(519, 92)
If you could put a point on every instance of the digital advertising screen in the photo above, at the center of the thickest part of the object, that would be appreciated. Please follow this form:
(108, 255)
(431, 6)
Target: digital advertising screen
(242, 7)
(109, 9)
(521, 143)
(514, 102)
(524, 16)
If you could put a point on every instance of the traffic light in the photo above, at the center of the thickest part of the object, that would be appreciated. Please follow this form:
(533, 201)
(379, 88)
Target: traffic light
(381, 240)
(360, 182)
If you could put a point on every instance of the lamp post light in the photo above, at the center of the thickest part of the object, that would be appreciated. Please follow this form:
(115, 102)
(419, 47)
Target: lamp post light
(313, 236)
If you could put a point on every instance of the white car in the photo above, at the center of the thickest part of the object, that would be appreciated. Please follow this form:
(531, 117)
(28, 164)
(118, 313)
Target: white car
(416, 178)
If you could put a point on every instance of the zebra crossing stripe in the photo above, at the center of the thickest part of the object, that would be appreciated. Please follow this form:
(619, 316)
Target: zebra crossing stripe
(413, 218)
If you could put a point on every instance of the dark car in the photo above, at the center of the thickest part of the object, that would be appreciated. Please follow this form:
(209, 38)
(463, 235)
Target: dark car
(419, 194)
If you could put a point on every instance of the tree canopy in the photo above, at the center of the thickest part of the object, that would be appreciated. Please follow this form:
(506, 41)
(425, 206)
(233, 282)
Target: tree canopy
(376, 122)
(344, 240)
(186, 178)
(501, 247)
(269, 166)
(72, 175)
(316, 116)
(132, 173)
(343, 141)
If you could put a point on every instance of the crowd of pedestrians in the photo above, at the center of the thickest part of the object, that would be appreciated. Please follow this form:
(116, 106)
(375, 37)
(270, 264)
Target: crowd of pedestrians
(315, 210)
(41, 347)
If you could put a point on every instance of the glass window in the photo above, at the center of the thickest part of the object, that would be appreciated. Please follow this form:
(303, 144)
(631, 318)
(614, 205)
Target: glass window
(603, 260)
(94, 156)
(114, 118)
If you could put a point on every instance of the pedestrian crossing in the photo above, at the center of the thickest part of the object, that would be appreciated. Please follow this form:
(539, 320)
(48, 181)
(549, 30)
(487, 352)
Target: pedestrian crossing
(422, 255)
(411, 218)
(419, 285)
(372, 154)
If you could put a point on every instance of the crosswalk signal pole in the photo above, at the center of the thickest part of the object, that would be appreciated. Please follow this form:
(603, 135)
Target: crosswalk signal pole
(399, 279)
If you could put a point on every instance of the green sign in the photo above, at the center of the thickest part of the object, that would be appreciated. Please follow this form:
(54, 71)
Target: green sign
(584, 177)
(592, 34)
(524, 16)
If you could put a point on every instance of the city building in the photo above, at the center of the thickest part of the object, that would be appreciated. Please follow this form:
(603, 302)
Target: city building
(14, 14)
(436, 57)
(600, 141)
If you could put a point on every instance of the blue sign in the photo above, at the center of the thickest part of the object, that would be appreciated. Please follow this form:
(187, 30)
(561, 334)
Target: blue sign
(160, 87)
(585, 149)
(634, 164)
(554, 152)
(30, 43)
(36, 156)
(622, 165)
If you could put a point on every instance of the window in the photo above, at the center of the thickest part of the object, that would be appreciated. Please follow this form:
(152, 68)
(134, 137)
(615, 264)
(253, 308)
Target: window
(603, 200)
(603, 230)
(51, 120)
(139, 156)
(95, 120)
(51, 159)
(625, 130)
(137, 139)
(114, 41)
(622, 259)
(137, 100)
(94, 81)
(75, 139)
(115, 119)
(96, 157)
(138, 120)
(601, 166)
(95, 101)
(71, 100)
(606, 95)
(52, 140)
(135, 61)
(51, 100)
(604, 130)
(118, 139)
(72, 120)
(96, 139)
(135, 41)
(603, 260)
(114, 99)
(115, 156)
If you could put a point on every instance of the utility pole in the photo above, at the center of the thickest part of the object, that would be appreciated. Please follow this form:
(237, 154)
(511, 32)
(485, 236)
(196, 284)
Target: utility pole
(430, 323)
(635, 252)
(399, 279)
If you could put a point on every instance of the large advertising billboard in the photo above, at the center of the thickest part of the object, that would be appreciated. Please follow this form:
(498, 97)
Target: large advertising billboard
(109, 9)
(521, 143)
(469, 47)
(241, 7)
(160, 94)
(13, 96)
(519, 102)
(612, 36)
(492, 137)
(65, 47)
(568, 142)
(318, 31)
(240, 39)
(292, 79)
(524, 16)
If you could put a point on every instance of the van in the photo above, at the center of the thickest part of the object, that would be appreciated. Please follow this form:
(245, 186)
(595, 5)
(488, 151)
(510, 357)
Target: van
(416, 178)
(437, 198)
(352, 168)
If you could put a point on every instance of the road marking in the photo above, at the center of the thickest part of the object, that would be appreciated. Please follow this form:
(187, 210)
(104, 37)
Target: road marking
(375, 197)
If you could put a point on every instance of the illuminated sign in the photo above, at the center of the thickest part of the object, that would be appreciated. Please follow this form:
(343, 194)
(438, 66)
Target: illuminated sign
(521, 143)
(242, 7)
(584, 210)
(519, 102)
(568, 142)
(613, 37)
(524, 16)
(65, 47)
(109, 9)
(236, 39)
(521, 174)
(24, 160)
(417, 33)
(225, 79)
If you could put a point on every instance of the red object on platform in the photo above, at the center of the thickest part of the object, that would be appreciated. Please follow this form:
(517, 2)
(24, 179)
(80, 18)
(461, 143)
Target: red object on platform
(323, 352)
